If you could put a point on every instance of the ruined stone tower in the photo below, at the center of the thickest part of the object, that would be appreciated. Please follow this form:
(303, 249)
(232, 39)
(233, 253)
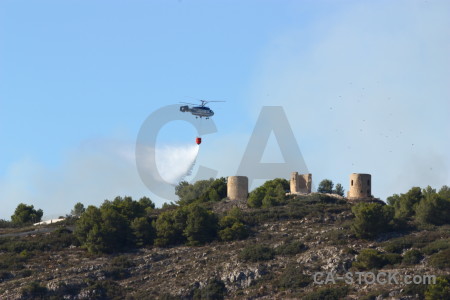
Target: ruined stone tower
(301, 183)
(237, 187)
(360, 186)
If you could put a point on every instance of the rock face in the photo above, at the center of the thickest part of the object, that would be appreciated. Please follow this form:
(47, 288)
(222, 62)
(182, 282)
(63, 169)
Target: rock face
(238, 277)
(327, 246)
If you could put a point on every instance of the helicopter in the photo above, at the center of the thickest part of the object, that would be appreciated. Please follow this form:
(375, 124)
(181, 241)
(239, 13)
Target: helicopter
(199, 111)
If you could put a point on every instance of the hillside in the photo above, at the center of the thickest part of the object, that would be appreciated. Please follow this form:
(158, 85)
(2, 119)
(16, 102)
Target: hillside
(286, 246)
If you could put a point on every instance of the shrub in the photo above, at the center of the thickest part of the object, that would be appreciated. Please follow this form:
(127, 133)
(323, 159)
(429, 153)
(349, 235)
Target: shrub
(372, 259)
(412, 257)
(4, 276)
(399, 244)
(25, 273)
(232, 229)
(12, 261)
(328, 293)
(441, 259)
(213, 290)
(369, 259)
(271, 193)
(34, 291)
(371, 219)
(440, 290)
(256, 253)
(105, 289)
(292, 278)
(119, 268)
(391, 258)
(374, 294)
(415, 289)
(6, 224)
(436, 246)
(337, 237)
(290, 248)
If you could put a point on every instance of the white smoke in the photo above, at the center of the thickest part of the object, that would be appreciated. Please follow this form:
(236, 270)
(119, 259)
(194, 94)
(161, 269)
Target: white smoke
(175, 163)
(98, 170)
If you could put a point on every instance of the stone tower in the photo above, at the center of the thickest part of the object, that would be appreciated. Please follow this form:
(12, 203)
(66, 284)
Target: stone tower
(237, 187)
(360, 186)
(300, 183)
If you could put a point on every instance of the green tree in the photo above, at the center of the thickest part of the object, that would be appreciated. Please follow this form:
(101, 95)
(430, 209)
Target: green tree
(211, 190)
(78, 209)
(216, 191)
(116, 225)
(325, 186)
(433, 208)
(116, 231)
(146, 202)
(143, 231)
(87, 228)
(271, 193)
(232, 229)
(128, 207)
(105, 229)
(256, 197)
(444, 192)
(372, 219)
(26, 214)
(440, 290)
(170, 226)
(339, 190)
(405, 204)
(201, 226)
(392, 200)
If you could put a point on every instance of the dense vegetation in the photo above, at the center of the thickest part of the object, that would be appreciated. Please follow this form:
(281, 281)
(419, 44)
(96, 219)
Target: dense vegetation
(26, 214)
(125, 224)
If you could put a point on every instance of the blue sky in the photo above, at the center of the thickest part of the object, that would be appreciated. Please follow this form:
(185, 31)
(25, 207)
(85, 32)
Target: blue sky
(365, 85)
